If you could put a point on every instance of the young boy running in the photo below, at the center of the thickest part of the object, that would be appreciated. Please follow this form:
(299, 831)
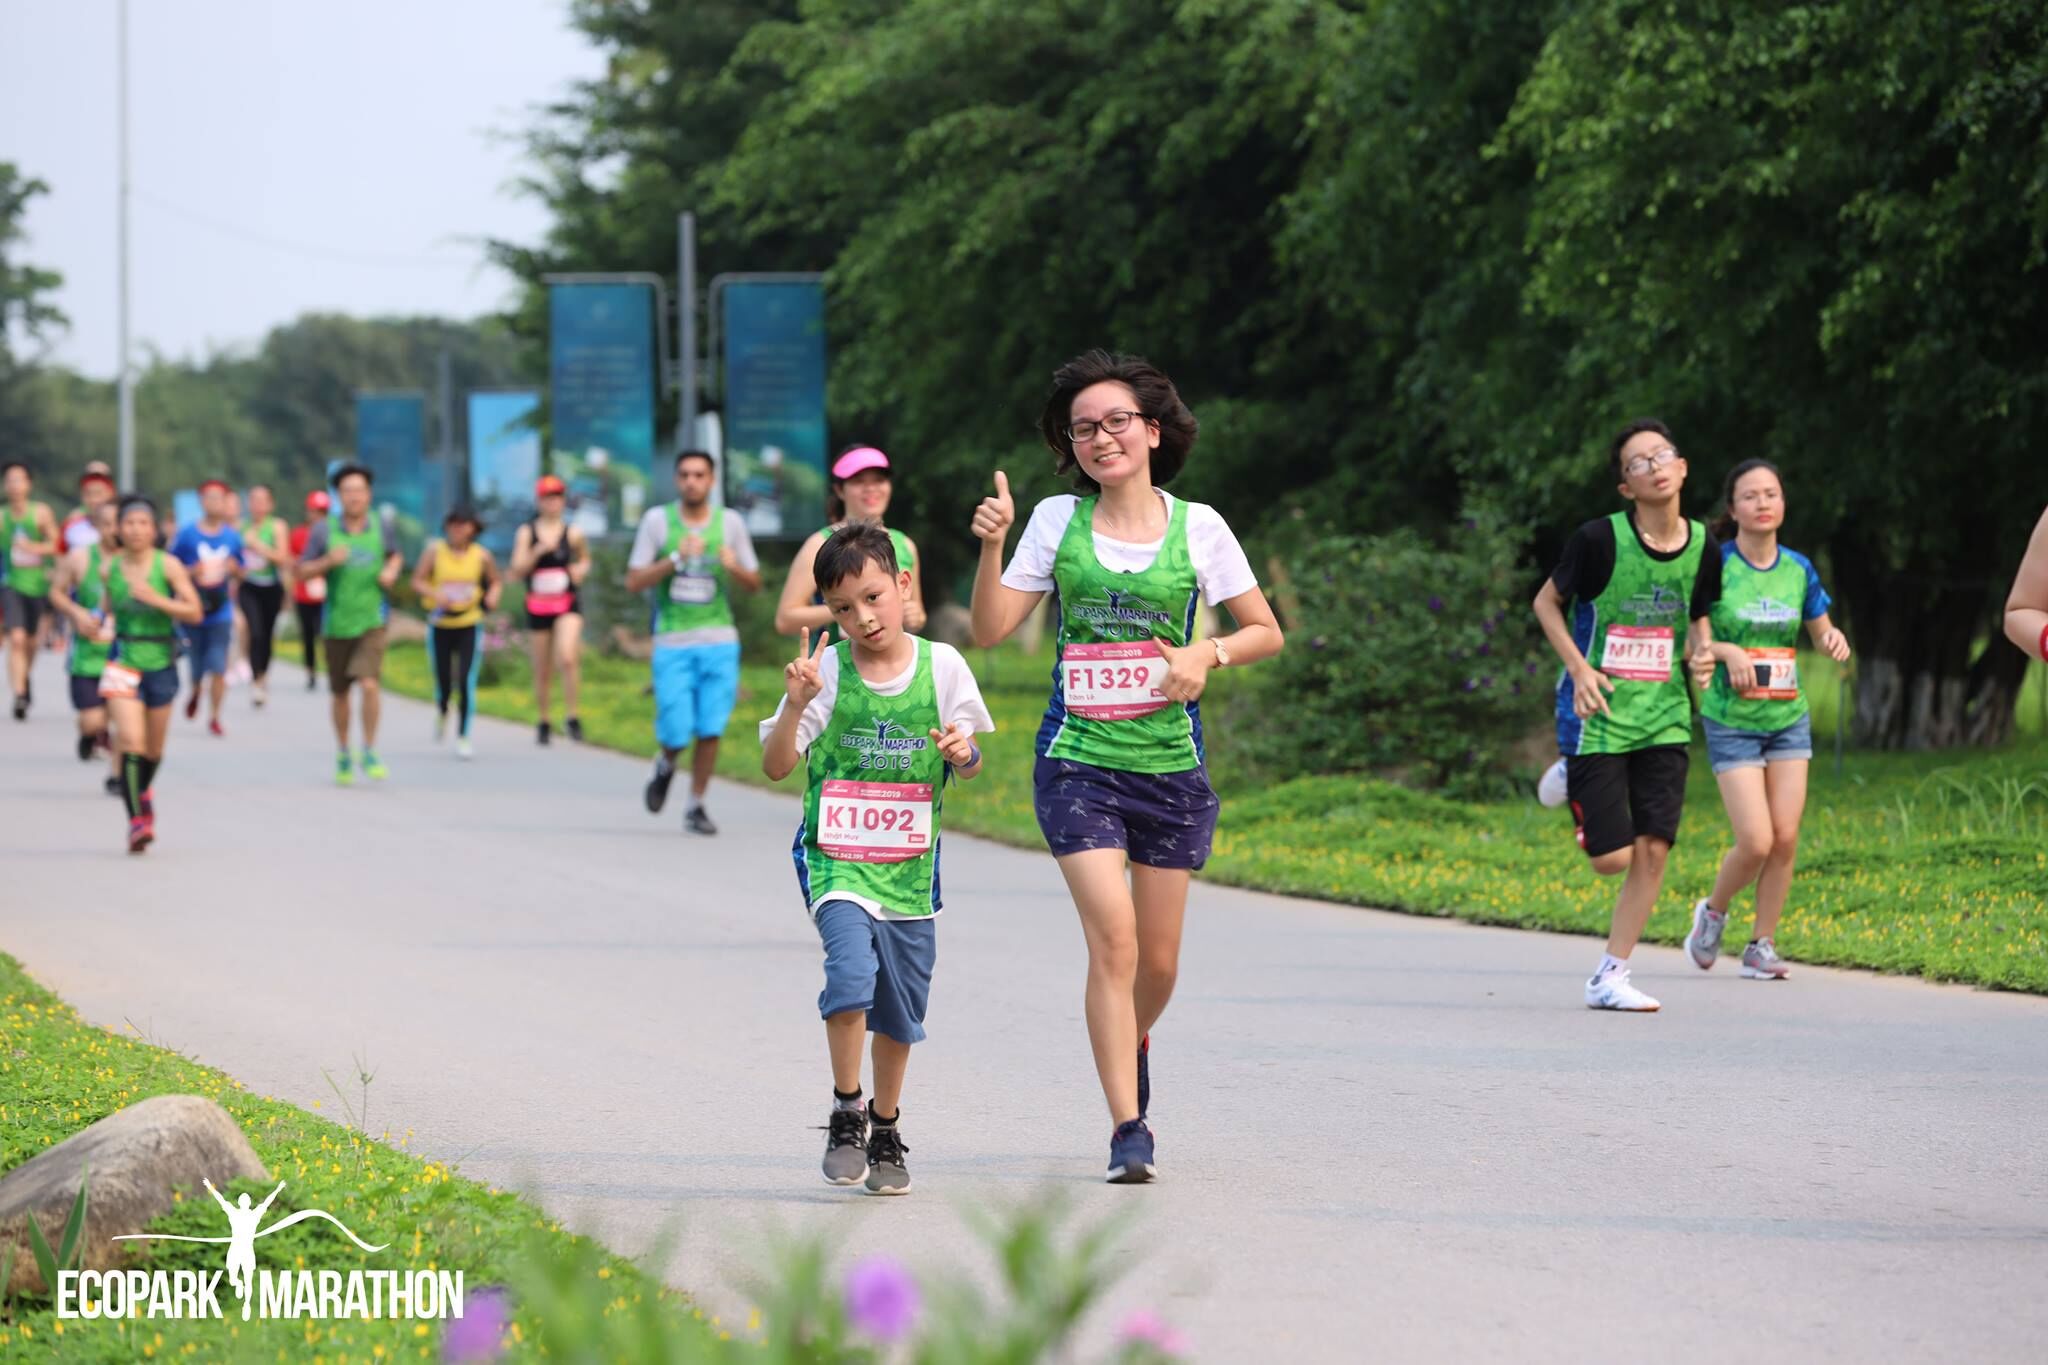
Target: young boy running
(880, 722)
(1623, 713)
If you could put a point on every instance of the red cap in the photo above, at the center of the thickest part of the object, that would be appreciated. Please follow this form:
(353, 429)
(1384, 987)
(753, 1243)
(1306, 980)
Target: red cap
(221, 484)
(548, 483)
(96, 472)
(316, 501)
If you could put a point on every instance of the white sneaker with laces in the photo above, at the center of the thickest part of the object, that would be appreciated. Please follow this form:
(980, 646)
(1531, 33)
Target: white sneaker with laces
(462, 749)
(1703, 942)
(1550, 788)
(1613, 991)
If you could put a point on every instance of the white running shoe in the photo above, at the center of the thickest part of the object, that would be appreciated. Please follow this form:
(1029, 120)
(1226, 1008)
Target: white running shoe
(462, 749)
(1550, 788)
(1613, 992)
(1760, 962)
(1703, 944)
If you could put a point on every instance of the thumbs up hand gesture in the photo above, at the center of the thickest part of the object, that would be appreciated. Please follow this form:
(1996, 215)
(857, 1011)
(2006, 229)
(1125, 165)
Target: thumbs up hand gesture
(992, 518)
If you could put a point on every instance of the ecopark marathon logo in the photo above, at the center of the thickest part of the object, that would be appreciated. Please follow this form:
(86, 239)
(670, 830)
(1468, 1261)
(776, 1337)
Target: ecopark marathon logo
(1659, 603)
(1769, 611)
(123, 1294)
(1116, 612)
(889, 744)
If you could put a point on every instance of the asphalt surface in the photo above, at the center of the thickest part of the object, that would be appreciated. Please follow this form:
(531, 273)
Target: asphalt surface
(1380, 1137)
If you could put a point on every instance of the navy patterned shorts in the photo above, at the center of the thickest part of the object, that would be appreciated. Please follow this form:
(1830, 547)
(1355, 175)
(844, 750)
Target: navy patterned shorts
(1159, 819)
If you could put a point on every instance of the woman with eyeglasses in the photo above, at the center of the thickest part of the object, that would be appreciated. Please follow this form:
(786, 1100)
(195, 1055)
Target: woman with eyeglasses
(861, 490)
(1122, 793)
(1759, 735)
(1640, 585)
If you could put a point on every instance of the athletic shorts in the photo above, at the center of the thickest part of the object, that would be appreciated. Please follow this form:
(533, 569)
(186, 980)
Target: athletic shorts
(18, 611)
(360, 658)
(1158, 819)
(883, 966)
(206, 647)
(546, 624)
(1619, 798)
(1729, 748)
(695, 688)
(85, 692)
(158, 688)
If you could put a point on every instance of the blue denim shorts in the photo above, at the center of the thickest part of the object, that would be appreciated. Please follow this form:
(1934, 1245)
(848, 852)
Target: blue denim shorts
(695, 688)
(1729, 748)
(206, 647)
(883, 966)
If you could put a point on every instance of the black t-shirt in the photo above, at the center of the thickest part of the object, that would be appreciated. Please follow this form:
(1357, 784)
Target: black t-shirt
(1588, 562)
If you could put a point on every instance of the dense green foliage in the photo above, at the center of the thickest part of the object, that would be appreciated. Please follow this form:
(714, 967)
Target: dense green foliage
(1401, 257)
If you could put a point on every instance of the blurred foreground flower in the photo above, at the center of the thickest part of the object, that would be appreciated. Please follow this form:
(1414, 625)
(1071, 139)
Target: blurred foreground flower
(1149, 1329)
(477, 1334)
(881, 1298)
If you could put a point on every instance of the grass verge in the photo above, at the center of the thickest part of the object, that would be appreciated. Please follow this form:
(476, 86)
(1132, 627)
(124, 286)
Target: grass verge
(59, 1074)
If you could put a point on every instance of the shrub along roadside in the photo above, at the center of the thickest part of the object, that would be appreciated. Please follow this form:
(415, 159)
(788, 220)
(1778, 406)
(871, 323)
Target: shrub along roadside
(1929, 864)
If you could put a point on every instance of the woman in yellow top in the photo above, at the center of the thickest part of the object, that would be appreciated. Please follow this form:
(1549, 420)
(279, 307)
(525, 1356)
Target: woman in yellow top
(458, 581)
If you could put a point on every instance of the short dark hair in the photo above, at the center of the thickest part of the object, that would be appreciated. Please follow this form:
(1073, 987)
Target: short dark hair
(131, 501)
(703, 455)
(22, 465)
(847, 552)
(1635, 428)
(464, 513)
(1158, 403)
(352, 468)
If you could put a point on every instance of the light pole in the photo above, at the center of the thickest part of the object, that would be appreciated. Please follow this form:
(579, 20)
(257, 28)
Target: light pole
(124, 375)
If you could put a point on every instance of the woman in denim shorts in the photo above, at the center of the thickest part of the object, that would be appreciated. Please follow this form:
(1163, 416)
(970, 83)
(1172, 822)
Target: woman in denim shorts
(1759, 735)
(1122, 794)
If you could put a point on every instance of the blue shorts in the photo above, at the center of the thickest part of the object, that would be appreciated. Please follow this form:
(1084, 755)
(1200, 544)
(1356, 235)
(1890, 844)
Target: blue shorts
(1158, 819)
(883, 966)
(206, 647)
(695, 688)
(158, 687)
(1729, 748)
(85, 693)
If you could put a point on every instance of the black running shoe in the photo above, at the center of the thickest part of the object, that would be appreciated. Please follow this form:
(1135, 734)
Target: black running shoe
(1130, 1154)
(657, 787)
(540, 733)
(86, 744)
(574, 727)
(21, 707)
(887, 1173)
(1144, 1075)
(116, 787)
(846, 1154)
(697, 822)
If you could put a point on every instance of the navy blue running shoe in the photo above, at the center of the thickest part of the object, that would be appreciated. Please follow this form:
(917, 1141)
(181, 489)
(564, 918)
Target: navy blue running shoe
(1130, 1154)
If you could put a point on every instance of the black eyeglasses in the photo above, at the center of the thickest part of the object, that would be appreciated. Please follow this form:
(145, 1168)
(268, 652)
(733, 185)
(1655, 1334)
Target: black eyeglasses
(1656, 459)
(1115, 423)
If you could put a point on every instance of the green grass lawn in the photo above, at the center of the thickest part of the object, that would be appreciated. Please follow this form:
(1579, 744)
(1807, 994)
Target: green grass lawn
(1931, 864)
(59, 1075)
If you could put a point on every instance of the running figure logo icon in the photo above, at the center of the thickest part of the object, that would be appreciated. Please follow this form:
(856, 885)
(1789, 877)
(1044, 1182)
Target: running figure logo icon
(243, 1221)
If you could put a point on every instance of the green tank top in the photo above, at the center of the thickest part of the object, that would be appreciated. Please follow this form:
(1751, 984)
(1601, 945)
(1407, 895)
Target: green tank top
(1639, 626)
(876, 783)
(906, 558)
(88, 654)
(695, 598)
(1760, 611)
(255, 568)
(1107, 709)
(145, 637)
(28, 571)
(355, 602)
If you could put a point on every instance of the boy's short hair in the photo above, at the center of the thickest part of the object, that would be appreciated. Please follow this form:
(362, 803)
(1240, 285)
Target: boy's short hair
(847, 552)
(350, 470)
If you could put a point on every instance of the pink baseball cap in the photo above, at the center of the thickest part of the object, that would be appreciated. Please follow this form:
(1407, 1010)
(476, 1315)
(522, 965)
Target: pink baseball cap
(857, 459)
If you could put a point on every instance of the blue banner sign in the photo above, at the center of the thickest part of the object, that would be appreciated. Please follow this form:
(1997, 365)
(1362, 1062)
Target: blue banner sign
(774, 414)
(601, 391)
(504, 460)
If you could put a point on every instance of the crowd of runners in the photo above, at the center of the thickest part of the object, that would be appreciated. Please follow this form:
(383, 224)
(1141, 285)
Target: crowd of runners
(1646, 609)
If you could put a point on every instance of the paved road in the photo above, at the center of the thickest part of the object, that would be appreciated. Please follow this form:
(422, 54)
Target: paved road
(1382, 1137)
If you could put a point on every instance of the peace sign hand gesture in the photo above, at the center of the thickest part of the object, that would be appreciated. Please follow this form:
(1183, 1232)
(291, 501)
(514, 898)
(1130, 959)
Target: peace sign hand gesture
(992, 518)
(801, 679)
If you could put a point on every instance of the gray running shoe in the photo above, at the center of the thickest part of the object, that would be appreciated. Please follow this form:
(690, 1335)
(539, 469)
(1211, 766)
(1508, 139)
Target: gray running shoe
(846, 1150)
(886, 1172)
(1760, 962)
(1704, 942)
(697, 822)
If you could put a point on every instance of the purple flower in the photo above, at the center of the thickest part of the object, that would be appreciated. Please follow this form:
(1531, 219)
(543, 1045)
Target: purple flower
(1436, 603)
(477, 1333)
(1471, 684)
(881, 1298)
(1485, 648)
(1147, 1327)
